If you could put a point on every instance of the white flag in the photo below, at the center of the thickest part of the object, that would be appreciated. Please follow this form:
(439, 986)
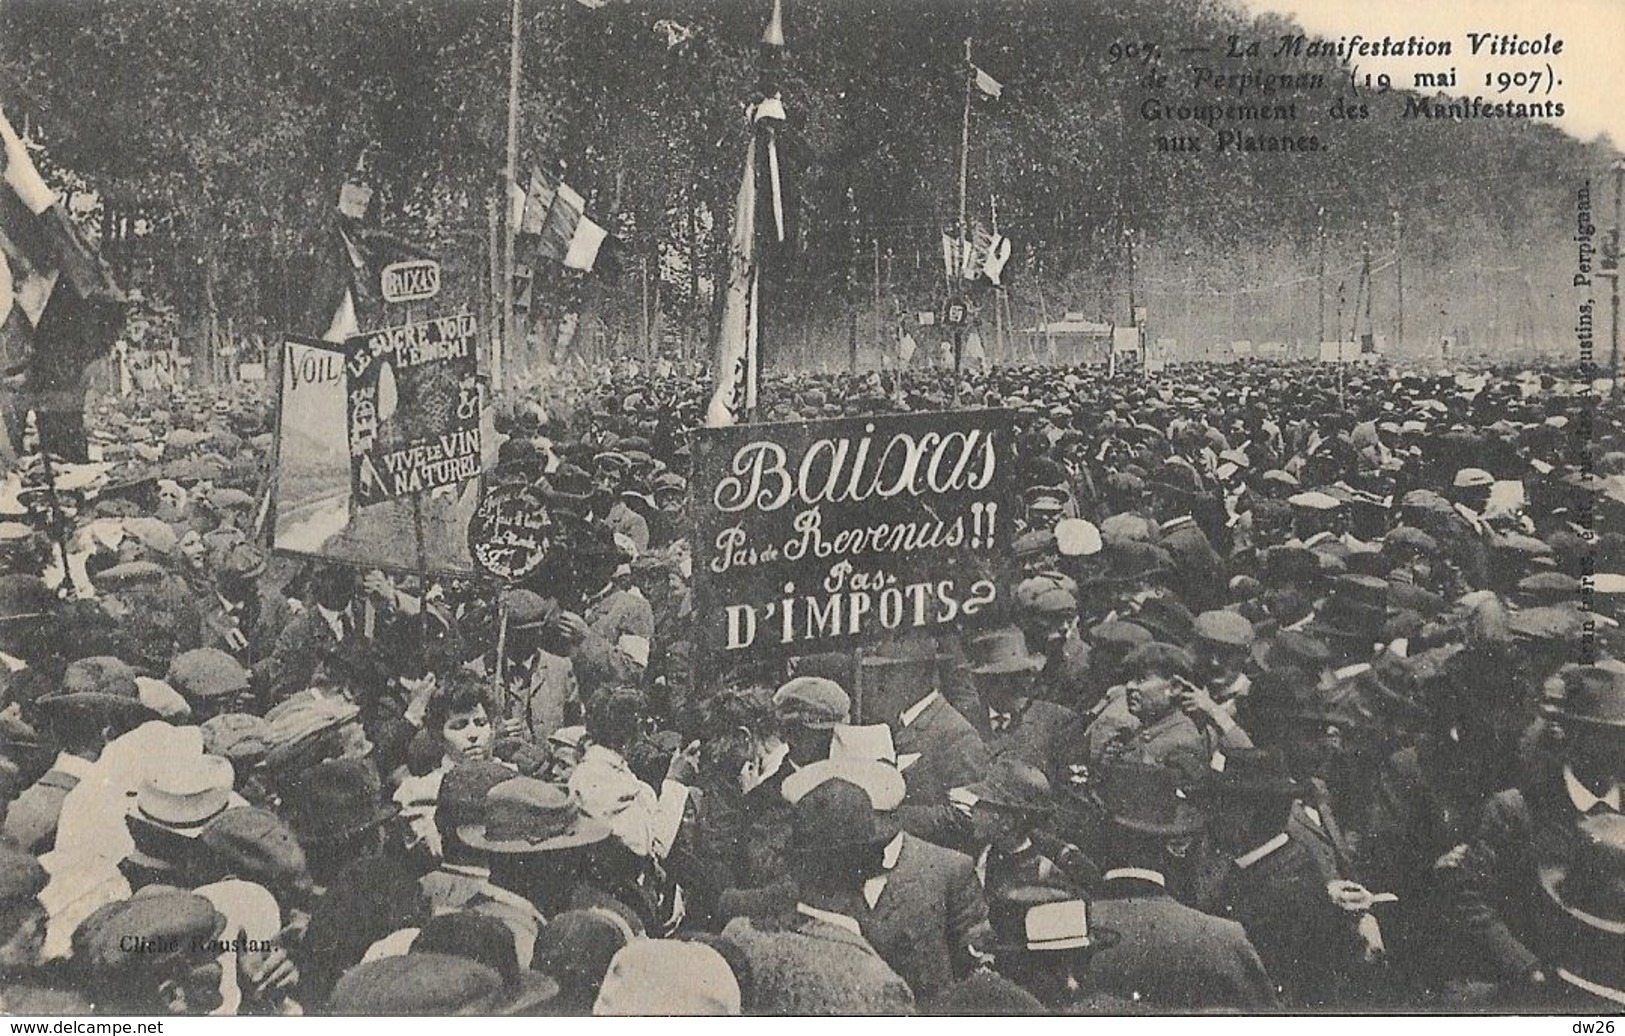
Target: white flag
(987, 84)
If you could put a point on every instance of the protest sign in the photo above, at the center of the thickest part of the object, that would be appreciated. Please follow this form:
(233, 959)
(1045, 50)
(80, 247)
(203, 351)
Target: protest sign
(510, 533)
(313, 513)
(414, 408)
(822, 534)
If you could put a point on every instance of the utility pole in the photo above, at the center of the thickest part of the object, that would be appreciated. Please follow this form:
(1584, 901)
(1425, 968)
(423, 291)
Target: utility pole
(510, 188)
(1399, 283)
(1320, 272)
(964, 226)
(875, 338)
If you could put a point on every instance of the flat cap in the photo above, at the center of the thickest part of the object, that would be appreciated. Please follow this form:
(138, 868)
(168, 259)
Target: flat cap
(812, 701)
(206, 673)
(1226, 627)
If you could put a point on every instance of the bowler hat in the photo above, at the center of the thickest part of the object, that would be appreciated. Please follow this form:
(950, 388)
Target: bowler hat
(525, 815)
(1589, 885)
(1001, 652)
(836, 816)
(1595, 698)
(1013, 783)
(1146, 799)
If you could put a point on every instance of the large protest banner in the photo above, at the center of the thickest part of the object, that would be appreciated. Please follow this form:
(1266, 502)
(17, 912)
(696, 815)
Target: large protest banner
(818, 535)
(314, 513)
(414, 408)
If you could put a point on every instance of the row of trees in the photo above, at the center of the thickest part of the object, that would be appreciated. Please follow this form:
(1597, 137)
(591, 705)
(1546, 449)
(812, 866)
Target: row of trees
(226, 127)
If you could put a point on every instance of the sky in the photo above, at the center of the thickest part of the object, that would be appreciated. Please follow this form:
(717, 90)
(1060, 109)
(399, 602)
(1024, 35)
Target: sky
(1591, 69)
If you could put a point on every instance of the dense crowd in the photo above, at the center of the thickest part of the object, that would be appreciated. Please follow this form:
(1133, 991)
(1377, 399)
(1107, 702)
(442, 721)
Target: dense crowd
(1304, 692)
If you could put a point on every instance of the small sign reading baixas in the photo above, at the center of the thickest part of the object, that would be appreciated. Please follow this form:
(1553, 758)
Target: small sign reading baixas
(410, 281)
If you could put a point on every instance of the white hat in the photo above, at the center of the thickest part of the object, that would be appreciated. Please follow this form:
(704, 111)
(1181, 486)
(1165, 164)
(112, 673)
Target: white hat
(1468, 478)
(880, 781)
(1077, 538)
(1315, 500)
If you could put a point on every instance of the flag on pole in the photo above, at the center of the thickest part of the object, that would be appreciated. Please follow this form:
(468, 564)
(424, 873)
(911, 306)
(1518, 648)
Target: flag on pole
(44, 256)
(347, 295)
(735, 389)
(553, 225)
(987, 84)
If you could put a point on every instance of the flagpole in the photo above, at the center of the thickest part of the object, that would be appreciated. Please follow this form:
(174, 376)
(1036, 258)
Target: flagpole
(964, 179)
(511, 186)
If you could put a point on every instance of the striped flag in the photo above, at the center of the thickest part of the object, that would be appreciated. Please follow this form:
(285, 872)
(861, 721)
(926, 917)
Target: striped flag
(555, 226)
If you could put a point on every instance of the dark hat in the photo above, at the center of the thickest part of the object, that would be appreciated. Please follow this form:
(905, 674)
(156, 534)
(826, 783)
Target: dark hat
(24, 597)
(528, 609)
(1589, 884)
(835, 816)
(129, 575)
(1125, 636)
(334, 800)
(1256, 772)
(206, 672)
(257, 846)
(813, 702)
(1409, 538)
(1128, 561)
(1001, 652)
(1013, 783)
(434, 984)
(1034, 543)
(986, 994)
(1147, 799)
(1289, 566)
(576, 948)
(1170, 621)
(478, 937)
(239, 561)
(1038, 919)
(21, 876)
(525, 815)
(1412, 598)
(1595, 698)
(463, 790)
(146, 933)
(100, 682)
(1161, 658)
(1177, 478)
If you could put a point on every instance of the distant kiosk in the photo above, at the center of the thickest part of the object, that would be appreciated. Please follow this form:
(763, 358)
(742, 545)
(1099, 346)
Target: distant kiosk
(1071, 341)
